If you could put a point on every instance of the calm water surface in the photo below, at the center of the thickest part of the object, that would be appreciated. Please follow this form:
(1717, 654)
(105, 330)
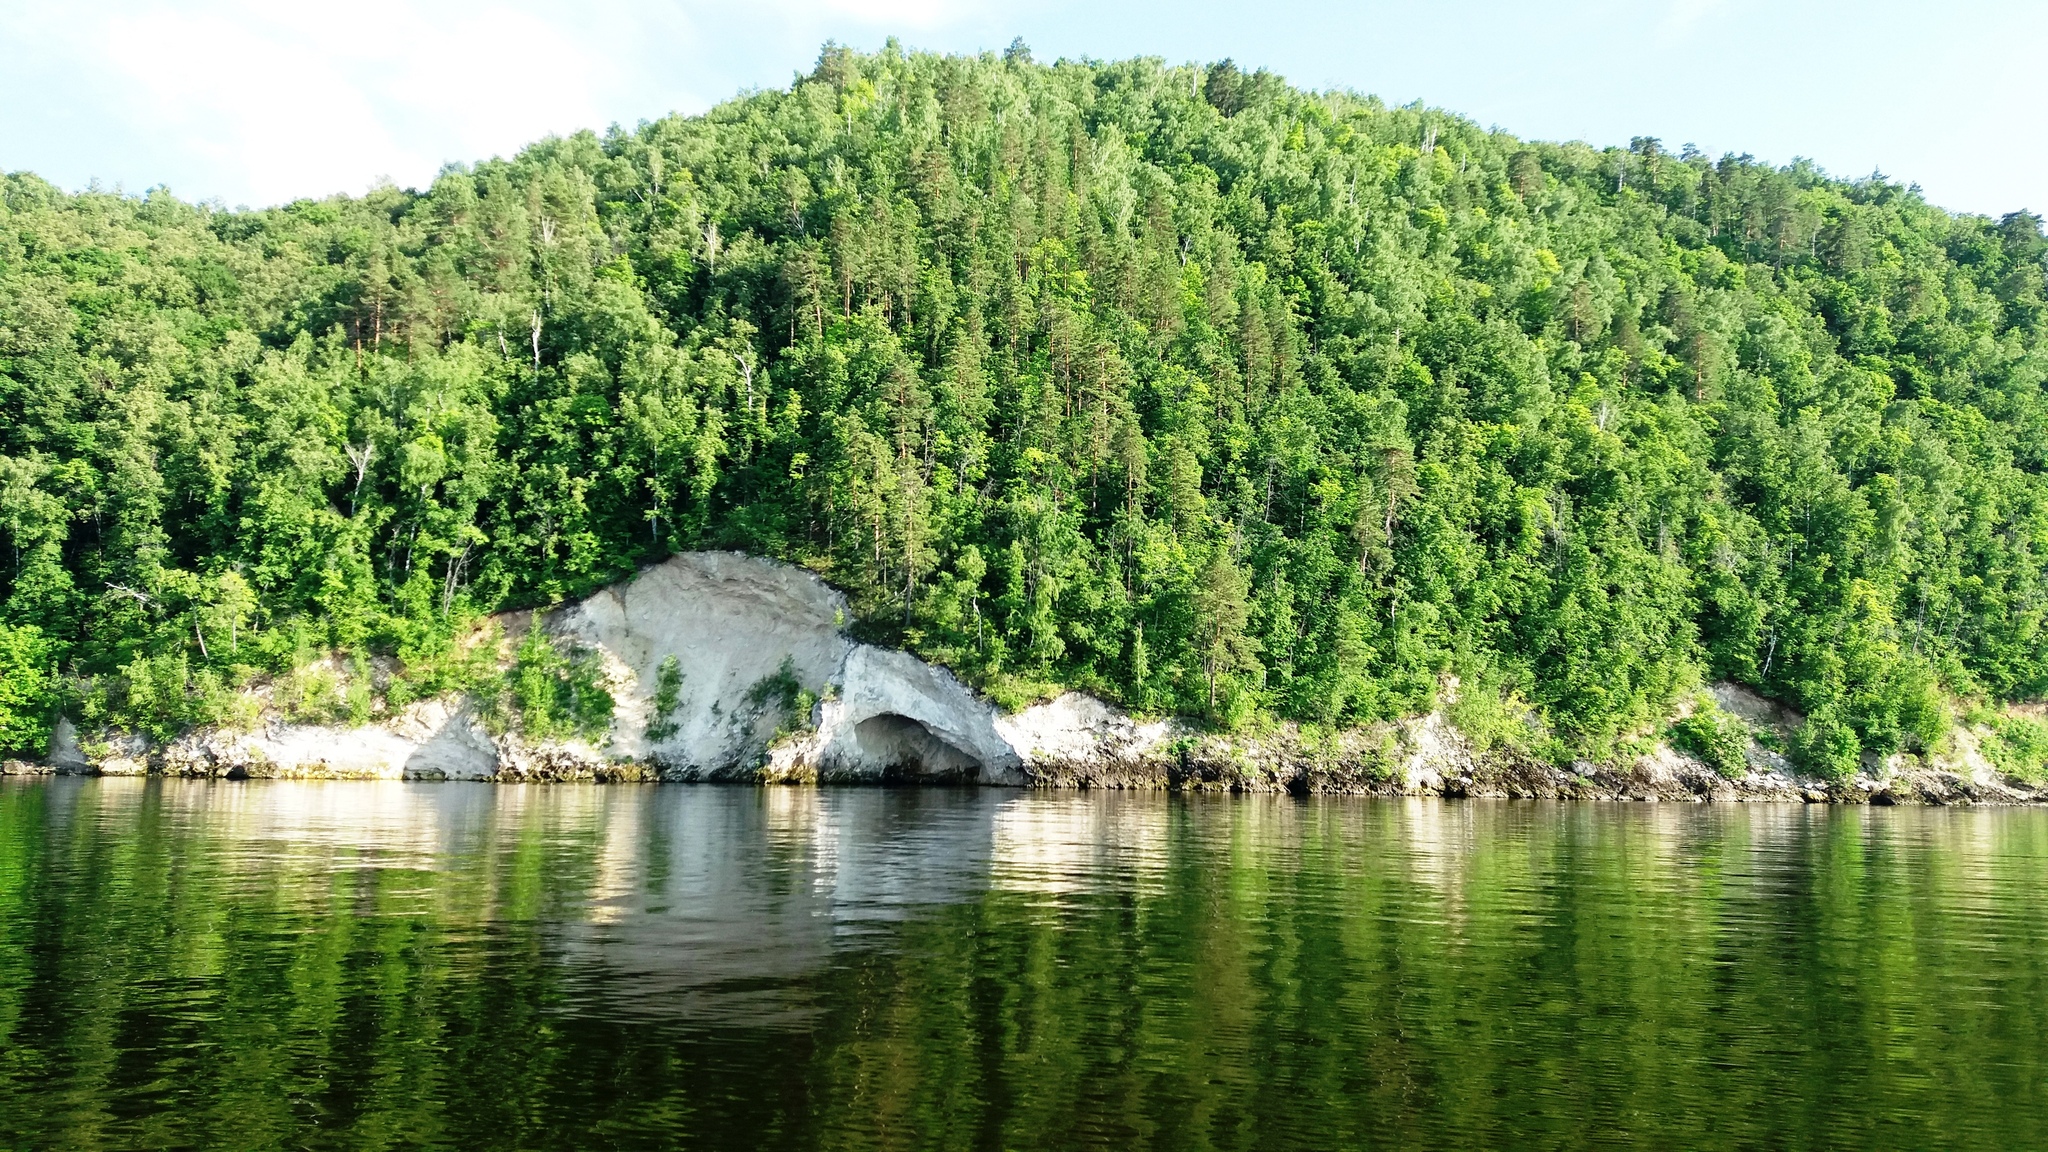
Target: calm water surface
(354, 965)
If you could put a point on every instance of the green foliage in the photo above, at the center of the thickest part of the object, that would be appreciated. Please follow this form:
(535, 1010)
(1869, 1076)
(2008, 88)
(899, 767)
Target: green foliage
(782, 693)
(158, 696)
(452, 657)
(1491, 715)
(27, 691)
(552, 690)
(2018, 746)
(1827, 746)
(668, 695)
(357, 696)
(311, 694)
(1225, 651)
(1717, 739)
(1180, 386)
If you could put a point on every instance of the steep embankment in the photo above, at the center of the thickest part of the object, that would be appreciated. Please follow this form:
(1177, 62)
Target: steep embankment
(721, 666)
(1170, 382)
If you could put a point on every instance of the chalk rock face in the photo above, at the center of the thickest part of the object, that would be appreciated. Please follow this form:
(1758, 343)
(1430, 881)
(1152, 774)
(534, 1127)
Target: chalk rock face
(1435, 753)
(748, 635)
(431, 740)
(65, 753)
(765, 685)
(1076, 728)
(744, 632)
(895, 716)
(121, 754)
(735, 624)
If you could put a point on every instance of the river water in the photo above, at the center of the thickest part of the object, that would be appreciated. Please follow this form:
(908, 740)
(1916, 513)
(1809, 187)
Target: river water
(369, 965)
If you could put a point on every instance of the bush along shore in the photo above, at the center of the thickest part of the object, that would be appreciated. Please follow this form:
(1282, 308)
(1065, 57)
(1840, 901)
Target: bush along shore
(1256, 410)
(777, 691)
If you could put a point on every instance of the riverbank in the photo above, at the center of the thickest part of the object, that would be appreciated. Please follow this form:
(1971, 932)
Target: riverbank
(1423, 757)
(718, 666)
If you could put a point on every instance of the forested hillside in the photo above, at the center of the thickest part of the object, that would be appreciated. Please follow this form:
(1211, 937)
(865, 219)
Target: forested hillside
(1175, 384)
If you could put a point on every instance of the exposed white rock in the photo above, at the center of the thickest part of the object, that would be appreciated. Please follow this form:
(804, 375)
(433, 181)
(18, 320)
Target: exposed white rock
(1434, 752)
(117, 754)
(447, 742)
(751, 639)
(1076, 727)
(893, 714)
(431, 740)
(1965, 756)
(737, 625)
(773, 688)
(1747, 705)
(65, 753)
(732, 622)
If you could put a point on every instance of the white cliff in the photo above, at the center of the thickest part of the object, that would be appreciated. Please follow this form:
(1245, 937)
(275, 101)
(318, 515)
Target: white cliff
(743, 631)
(735, 624)
(767, 685)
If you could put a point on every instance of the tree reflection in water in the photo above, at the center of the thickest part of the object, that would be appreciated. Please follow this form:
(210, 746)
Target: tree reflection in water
(364, 965)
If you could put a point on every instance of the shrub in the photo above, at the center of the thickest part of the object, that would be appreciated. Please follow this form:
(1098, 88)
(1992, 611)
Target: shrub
(159, 696)
(552, 690)
(310, 695)
(357, 695)
(783, 691)
(2018, 747)
(27, 691)
(668, 694)
(1827, 747)
(1491, 715)
(1718, 740)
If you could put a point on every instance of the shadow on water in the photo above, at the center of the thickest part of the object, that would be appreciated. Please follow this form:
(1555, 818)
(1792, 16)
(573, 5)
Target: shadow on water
(373, 965)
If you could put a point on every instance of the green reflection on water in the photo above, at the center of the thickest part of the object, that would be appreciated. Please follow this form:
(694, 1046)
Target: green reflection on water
(262, 965)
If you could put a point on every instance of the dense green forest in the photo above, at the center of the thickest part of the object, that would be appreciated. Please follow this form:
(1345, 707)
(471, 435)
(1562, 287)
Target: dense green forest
(1175, 384)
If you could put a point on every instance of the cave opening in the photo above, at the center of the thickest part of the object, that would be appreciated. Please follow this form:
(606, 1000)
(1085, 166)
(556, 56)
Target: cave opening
(908, 751)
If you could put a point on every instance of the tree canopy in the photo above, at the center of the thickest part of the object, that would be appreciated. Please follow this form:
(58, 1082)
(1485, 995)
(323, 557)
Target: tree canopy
(1174, 384)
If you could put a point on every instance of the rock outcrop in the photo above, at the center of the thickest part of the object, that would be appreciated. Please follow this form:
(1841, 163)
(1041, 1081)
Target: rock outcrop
(751, 638)
(765, 684)
(770, 687)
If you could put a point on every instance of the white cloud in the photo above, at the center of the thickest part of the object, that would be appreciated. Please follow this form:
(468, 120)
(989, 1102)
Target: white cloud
(259, 102)
(262, 102)
(275, 101)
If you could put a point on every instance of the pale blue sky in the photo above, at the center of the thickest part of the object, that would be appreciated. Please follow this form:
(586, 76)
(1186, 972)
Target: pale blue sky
(257, 103)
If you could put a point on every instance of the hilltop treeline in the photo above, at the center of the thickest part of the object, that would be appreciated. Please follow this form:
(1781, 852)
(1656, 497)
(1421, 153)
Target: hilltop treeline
(1175, 384)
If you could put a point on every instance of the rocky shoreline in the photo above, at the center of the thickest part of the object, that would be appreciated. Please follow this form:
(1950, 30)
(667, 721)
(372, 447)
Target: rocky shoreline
(725, 667)
(1422, 757)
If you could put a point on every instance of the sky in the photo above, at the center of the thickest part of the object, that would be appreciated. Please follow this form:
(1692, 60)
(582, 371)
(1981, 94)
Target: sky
(253, 103)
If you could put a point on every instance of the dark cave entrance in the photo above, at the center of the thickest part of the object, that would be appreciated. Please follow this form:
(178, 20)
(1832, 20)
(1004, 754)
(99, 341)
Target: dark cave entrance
(908, 751)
